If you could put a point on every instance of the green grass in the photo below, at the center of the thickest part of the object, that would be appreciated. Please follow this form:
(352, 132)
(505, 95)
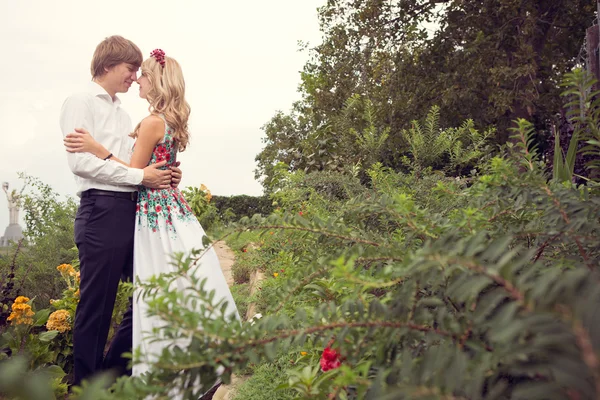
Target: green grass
(264, 380)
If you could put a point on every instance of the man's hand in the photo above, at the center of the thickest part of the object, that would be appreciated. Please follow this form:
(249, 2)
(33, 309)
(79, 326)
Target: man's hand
(176, 176)
(157, 178)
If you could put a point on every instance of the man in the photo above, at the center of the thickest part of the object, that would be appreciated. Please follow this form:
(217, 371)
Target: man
(105, 221)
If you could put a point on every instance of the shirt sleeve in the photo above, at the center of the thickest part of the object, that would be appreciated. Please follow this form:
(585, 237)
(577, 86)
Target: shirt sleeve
(77, 112)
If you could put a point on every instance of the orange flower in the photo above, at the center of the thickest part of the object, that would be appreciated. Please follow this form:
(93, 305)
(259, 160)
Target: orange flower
(21, 300)
(303, 353)
(66, 269)
(21, 312)
(59, 320)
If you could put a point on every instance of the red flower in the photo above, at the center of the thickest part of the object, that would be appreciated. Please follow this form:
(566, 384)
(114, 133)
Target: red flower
(158, 208)
(137, 208)
(301, 213)
(330, 359)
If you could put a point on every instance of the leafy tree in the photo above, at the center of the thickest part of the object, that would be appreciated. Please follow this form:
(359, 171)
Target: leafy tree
(490, 61)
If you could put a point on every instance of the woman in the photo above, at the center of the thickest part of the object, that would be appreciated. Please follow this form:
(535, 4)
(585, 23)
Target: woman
(164, 221)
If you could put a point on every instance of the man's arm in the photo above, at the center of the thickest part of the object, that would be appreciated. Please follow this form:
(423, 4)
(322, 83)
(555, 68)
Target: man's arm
(77, 113)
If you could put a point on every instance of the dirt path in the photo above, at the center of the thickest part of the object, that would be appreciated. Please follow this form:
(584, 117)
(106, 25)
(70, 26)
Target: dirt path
(227, 259)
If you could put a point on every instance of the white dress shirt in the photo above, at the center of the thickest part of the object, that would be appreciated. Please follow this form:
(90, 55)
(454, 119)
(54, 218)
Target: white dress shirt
(95, 111)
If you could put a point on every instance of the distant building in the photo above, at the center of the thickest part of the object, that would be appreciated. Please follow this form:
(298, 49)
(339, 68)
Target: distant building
(13, 232)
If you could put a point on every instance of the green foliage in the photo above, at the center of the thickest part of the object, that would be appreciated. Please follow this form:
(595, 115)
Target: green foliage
(265, 380)
(315, 192)
(370, 140)
(584, 112)
(49, 227)
(484, 287)
(490, 62)
(199, 200)
(493, 298)
(233, 208)
(449, 149)
(19, 382)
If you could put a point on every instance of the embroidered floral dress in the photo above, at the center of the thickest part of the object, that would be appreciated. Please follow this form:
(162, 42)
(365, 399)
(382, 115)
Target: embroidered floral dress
(165, 224)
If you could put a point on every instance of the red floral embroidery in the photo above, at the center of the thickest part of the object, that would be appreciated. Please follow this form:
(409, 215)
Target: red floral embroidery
(161, 206)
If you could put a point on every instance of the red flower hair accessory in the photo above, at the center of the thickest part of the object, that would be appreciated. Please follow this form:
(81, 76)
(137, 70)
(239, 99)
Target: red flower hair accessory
(159, 55)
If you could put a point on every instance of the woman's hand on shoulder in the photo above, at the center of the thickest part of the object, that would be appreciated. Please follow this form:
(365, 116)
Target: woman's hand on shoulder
(81, 141)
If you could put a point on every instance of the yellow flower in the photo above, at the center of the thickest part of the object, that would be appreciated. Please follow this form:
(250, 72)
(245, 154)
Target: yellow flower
(207, 194)
(59, 320)
(77, 293)
(66, 269)
(21, 312)
(275, 274)
(21, 300)
(303, 353)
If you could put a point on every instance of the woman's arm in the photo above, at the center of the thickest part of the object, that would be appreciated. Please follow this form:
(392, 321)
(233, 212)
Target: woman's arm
(151, 132)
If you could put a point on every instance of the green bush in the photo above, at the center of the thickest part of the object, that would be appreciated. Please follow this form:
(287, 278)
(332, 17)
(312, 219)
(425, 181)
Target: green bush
(233, 208)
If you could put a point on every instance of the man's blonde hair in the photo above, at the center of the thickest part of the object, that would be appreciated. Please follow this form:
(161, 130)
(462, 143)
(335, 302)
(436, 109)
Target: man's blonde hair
(112, 51)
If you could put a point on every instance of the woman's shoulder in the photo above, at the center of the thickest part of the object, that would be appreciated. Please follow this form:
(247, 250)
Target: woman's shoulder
(152, 125)
(153, 121)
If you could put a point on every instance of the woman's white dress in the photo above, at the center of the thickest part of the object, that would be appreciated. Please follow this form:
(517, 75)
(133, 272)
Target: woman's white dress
(165, 224)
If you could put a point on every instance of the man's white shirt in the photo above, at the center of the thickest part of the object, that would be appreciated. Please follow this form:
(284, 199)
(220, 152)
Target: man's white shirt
(95, 111)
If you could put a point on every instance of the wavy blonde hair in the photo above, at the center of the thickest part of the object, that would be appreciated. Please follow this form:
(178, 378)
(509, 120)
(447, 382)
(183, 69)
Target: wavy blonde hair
(167, 96)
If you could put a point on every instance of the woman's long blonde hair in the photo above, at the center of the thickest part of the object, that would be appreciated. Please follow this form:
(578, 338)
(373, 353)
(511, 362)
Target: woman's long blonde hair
(167, 96)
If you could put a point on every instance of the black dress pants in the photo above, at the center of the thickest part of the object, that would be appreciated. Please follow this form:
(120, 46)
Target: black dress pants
(104, 231)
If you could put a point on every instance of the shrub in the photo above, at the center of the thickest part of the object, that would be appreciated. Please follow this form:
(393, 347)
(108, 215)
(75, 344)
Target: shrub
(233, 208)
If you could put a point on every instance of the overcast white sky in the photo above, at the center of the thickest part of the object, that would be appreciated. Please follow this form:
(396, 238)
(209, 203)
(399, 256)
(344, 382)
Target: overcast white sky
(240, 59)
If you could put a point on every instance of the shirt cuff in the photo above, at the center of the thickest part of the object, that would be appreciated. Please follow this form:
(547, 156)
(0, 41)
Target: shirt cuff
(135, 176)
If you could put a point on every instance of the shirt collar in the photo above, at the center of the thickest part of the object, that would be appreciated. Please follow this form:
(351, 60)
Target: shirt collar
(97, 90)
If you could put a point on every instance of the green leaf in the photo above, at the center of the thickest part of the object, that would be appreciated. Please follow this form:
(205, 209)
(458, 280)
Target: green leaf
(47, 336)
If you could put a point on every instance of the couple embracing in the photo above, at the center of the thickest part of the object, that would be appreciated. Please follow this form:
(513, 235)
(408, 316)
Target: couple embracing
(131, 216)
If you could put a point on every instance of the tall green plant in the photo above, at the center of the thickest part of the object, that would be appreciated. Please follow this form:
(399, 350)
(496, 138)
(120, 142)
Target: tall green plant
(583, 110)
(369, 140)
(448, 149)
